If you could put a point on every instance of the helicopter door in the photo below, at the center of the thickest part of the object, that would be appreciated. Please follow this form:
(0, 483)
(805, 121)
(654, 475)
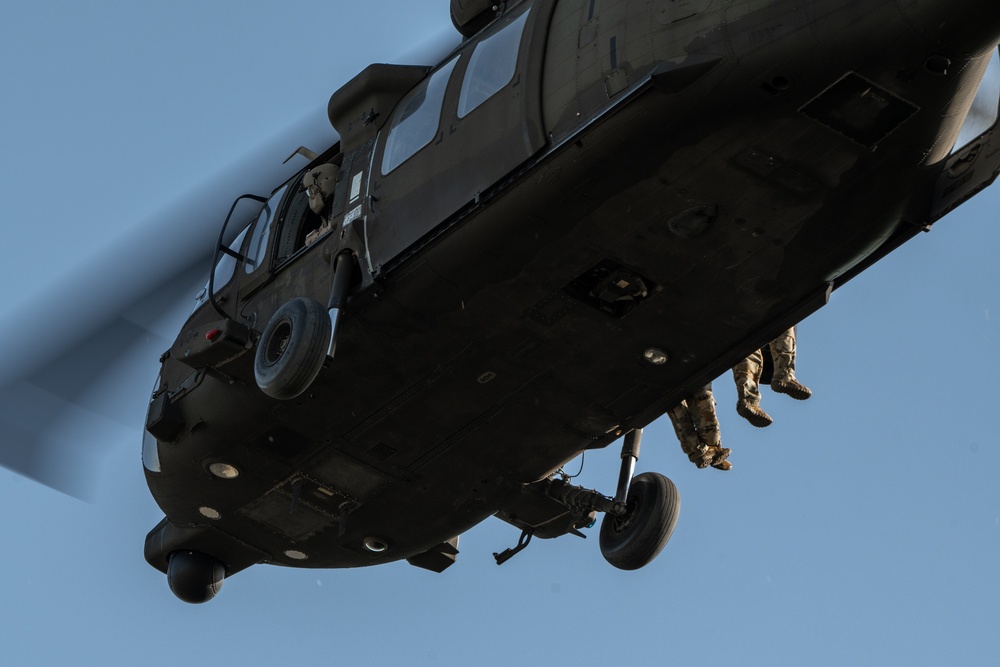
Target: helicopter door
(458, 133)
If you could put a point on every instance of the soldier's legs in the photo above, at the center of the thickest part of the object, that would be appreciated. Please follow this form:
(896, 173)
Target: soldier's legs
(697, 429)
(702, 409)
(701, 406)
(746, 374)
(783, 381)
(691, 445)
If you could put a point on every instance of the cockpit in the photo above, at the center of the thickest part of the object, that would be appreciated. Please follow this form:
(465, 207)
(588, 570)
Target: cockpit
(294, 217)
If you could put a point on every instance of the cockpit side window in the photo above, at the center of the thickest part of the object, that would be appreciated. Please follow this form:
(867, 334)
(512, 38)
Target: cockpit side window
(417, 118)
(491, 67)
(257, 247)
(225, 269)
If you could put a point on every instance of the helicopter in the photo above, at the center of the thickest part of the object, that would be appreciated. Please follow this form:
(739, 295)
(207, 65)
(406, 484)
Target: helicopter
(488, 311)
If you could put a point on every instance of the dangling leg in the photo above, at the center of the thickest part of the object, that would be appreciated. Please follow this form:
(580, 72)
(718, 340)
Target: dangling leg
(691, 444)
(747, 377)
(702, 409)
(783, 381)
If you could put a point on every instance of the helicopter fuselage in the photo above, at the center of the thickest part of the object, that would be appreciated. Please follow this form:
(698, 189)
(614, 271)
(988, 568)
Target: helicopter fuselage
(587, 212)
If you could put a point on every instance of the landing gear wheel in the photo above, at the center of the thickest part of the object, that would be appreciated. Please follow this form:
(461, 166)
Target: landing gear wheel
(633, 540)
(194, 577)
(292, 349)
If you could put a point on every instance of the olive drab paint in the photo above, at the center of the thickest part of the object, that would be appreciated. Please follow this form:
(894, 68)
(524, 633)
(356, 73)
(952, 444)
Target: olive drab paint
(576, 220)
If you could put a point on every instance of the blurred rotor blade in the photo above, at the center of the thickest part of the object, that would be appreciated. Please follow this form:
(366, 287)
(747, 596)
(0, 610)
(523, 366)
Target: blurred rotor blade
(28, 451)
(94, 336)
(53, 441)
(56, 421)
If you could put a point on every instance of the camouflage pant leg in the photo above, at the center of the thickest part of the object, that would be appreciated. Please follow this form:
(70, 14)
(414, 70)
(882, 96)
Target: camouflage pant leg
(697, 427)
(783, 353)
(701, 405)
(680, 417)
(746, 374)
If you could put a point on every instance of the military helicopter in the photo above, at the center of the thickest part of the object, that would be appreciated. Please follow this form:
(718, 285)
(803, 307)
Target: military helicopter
(416, 331)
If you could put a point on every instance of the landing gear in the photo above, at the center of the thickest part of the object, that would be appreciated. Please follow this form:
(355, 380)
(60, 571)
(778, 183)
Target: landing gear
(633, 539)
(194, 577)
(637, 523)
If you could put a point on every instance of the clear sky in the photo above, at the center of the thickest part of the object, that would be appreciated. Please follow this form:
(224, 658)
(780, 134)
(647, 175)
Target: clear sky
(862, 528)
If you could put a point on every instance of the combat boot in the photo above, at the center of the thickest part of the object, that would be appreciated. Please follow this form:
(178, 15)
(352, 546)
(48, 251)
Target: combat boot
(719, 458)
(791, 387)
(783, 380)
(701, 459)
(746, 374)
(753, 414)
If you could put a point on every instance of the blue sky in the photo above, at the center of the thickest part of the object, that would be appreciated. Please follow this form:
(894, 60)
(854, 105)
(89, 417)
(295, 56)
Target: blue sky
(862, 528)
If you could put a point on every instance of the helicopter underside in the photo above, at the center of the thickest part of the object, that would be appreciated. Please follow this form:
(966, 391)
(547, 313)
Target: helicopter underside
(636, 259)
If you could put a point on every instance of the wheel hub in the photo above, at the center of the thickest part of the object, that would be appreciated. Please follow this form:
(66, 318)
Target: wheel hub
(278, 343)
(621, 524)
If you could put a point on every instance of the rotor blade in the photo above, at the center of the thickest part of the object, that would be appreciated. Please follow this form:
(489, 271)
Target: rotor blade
(54, 422)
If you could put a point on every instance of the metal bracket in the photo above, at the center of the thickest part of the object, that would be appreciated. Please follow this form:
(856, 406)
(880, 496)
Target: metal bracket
(522, 544)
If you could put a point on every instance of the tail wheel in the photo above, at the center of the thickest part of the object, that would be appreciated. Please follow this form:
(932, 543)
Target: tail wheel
(634, 539)
(292, 349)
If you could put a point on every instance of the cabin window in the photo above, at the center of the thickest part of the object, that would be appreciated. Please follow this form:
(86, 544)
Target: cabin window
(417, 119)
(257, 248)
(491, 67)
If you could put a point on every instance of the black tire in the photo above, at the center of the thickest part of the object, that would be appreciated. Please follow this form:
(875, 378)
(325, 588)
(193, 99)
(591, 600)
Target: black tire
(631, 541)
(292, 349)
(194, 577)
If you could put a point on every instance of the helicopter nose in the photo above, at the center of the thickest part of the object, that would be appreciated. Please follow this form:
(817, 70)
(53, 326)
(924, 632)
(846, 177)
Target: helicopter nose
(959, 27)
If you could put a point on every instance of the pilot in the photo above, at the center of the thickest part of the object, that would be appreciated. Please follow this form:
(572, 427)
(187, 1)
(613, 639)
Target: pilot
(320, 184)
(747, 375)
(697, 428)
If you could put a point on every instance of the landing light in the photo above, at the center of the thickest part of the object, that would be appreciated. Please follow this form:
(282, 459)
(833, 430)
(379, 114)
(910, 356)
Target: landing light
(224, 471)
(655, 356)
(375, 545)
(210, 513)
(296, 555)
